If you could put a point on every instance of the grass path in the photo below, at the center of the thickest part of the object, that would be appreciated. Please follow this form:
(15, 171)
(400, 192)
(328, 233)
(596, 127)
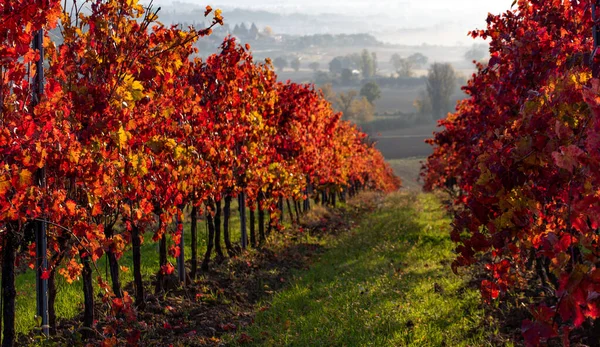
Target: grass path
(387, 283)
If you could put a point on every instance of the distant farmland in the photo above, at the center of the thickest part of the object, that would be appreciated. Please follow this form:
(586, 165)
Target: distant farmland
(405, 143)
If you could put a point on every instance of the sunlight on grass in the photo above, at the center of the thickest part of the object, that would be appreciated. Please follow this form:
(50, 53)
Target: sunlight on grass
(387, 284)
(69, 301)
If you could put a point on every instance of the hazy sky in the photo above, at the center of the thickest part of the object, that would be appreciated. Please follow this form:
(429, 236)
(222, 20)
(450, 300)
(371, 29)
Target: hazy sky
(447, 9)
(449, 19)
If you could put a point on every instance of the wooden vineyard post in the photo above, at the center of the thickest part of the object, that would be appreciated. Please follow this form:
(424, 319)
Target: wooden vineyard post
(242, 205)
(280, 207)
(40, 230)
(181, 257)
(194, 245)
(308, 194)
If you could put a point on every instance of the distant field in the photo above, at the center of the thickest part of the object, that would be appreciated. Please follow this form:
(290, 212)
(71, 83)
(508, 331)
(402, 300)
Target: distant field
(408, 170)
(397, 99)
(396, 148)
(405, 143)
(393, 143)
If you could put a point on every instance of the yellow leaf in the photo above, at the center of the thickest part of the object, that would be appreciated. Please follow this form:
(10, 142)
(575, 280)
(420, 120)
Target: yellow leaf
(136, 90)
(159, 69)
(4, 185)
(178, 152)
(74, 156)
(25, 178)
(43, 156)
(170, 143)
(122, 137)
(178, 64)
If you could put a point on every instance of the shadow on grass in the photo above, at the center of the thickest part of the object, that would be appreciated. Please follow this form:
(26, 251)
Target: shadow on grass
(219, 301)
(387, 283)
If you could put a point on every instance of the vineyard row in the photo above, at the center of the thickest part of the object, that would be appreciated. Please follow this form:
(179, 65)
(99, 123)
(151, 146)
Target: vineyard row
(120, 127)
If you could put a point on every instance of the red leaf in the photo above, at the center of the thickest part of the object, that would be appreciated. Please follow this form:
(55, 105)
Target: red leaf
(228, 327)
(489, 290)
(568, 157)
(494, 60)
(244, 338)
(167, 269)
(45, 274)
(578, 318)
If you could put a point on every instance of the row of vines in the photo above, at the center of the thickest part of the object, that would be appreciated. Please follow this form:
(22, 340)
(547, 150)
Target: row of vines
(521, 158)
(133, 129)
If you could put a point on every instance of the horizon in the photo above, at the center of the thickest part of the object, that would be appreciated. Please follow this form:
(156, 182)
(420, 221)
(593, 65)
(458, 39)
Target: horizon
(440, 22)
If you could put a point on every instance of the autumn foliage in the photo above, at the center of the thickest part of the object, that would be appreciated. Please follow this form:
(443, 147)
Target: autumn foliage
(133, 127)
(521, 158)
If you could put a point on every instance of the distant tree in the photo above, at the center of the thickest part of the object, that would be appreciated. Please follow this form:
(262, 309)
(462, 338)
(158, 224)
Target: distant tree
(418, 59)
(360, 111)
(441, 84)
(322, 78)
(374, 58)
(423, 105)
(243, 30)
(329, 94)
(354, 61)
(343, 102)
(477, 52)
(254, 33)
(371, 91)
(314, 66)
(268, 31)
(280, 63)
(367, 64)
(405, 66)
(347, 76)
(295, 63)
(335, 65)
(395, 60)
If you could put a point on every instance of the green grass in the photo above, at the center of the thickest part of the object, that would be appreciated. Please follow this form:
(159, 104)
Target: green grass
(388, 283)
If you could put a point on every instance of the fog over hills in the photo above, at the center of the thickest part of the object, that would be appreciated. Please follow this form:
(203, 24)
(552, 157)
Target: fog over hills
(410, 22)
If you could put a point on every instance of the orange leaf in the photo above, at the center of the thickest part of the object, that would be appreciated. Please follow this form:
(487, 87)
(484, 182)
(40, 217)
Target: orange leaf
(97, 209)
(71, 207)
